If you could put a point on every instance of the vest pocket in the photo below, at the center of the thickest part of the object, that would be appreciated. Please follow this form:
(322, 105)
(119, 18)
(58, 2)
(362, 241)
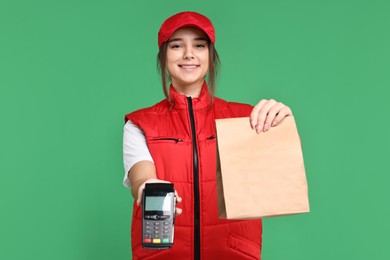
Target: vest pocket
(165, 140)
(244, 247)
(212, 137)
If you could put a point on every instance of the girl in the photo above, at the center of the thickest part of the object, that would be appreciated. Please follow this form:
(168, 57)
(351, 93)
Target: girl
(175, 141)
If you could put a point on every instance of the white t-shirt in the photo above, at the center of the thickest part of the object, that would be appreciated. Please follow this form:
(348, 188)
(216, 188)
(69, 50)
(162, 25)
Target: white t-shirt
(135, 148)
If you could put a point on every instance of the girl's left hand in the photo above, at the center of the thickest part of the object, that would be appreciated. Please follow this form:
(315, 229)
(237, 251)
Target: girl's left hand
(268, 113)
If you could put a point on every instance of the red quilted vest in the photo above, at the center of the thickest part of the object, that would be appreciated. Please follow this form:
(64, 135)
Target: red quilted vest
(181, 140)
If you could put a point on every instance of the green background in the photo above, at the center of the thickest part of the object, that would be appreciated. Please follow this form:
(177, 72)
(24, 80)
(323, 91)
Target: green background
(70, 70)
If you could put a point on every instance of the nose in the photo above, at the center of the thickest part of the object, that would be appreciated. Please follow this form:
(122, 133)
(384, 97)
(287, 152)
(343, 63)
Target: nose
(188, 53)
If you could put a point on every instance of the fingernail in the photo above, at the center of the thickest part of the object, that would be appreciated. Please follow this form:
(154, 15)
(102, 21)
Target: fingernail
(259, 128)
(266, 127)
(253, 124)
(274, 123)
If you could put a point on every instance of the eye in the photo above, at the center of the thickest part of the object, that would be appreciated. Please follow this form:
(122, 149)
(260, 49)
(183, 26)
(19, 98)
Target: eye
(174, 46)
(200, 45)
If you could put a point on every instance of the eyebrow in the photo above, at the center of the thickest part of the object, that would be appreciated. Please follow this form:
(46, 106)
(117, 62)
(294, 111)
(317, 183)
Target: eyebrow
(180, 39)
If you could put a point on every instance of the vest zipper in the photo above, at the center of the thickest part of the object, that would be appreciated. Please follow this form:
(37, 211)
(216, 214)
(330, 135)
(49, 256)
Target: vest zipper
(177, 140)
(196, 183)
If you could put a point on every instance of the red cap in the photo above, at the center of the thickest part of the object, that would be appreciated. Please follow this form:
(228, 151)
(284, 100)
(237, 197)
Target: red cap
(182, 19)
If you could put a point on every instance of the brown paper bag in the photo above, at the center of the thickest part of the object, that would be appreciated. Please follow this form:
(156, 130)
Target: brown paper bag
(259, 175)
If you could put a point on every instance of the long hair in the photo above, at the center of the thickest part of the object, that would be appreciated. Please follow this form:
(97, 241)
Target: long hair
(214, 64)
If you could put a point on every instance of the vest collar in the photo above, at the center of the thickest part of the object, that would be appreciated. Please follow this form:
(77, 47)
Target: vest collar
(201, 102)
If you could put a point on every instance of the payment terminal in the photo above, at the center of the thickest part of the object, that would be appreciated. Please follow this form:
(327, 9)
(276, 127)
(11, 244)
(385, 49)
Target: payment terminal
(158, 215)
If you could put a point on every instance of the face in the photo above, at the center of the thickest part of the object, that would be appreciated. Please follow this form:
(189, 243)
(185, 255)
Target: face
(188, 59)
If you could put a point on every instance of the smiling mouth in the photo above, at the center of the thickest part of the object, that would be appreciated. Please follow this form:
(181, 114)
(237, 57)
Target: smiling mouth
(189, 66)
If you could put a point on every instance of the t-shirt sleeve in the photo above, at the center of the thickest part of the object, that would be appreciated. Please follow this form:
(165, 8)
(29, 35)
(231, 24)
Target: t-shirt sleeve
(135, 149)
